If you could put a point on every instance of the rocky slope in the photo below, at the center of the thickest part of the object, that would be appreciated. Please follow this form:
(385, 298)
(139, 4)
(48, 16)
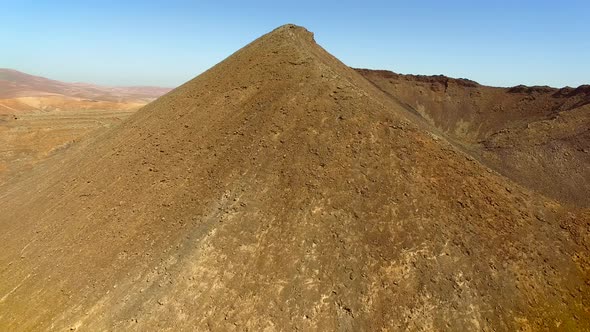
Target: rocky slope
(537, 136)
(30, 138)
(281, 190)
(14, 84)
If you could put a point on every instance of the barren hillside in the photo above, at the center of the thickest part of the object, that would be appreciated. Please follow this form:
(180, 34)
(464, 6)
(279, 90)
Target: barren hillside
(537, 136)
(281, 190)
(30, 138)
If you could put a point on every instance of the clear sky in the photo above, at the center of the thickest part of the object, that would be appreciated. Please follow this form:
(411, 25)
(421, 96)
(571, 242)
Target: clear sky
(165, 43)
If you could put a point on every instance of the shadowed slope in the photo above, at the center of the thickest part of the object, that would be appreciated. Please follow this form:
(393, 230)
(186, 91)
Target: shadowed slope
(281, 190)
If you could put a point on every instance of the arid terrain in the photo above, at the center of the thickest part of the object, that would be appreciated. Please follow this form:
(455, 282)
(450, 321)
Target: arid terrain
(39, 116)
(283, 190)
(23, 92)
(537, 136)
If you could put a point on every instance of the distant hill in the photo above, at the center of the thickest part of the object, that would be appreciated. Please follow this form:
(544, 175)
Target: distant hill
(40, 116)
(23, 92)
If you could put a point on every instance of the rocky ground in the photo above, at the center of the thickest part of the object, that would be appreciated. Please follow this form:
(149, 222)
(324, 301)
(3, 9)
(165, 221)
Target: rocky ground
(282, 190)
(536, 136)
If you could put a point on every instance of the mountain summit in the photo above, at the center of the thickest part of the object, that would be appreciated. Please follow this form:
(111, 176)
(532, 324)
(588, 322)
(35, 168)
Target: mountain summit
(281, 190)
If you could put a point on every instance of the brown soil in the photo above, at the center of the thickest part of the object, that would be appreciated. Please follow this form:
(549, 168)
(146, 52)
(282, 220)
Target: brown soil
(281, 190)
(51, 103)
(536, 136)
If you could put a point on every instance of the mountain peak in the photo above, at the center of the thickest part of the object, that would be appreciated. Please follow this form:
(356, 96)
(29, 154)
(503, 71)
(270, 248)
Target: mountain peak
(294, 30)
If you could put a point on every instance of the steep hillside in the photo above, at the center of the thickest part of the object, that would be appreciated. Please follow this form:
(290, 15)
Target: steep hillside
(280, 190)
(474, 112)
(537, 136)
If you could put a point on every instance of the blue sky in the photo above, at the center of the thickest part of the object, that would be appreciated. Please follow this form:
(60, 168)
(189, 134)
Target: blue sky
(165, 43)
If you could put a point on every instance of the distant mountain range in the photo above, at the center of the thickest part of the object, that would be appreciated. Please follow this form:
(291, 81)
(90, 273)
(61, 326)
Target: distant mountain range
(23, 92)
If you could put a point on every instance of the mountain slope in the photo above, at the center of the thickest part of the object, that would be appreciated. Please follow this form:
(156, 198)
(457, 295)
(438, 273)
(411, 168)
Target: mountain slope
(537, 136)
(39, 116)
(30, 138)
(281, 190)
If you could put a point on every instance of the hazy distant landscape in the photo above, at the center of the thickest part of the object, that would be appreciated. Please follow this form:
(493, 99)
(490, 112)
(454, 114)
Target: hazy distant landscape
(40, 117)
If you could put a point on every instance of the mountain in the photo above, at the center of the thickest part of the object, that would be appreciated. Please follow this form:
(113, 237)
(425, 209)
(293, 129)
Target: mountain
(536, 136)
(281, 190)
(17, 84)
(23, 92)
